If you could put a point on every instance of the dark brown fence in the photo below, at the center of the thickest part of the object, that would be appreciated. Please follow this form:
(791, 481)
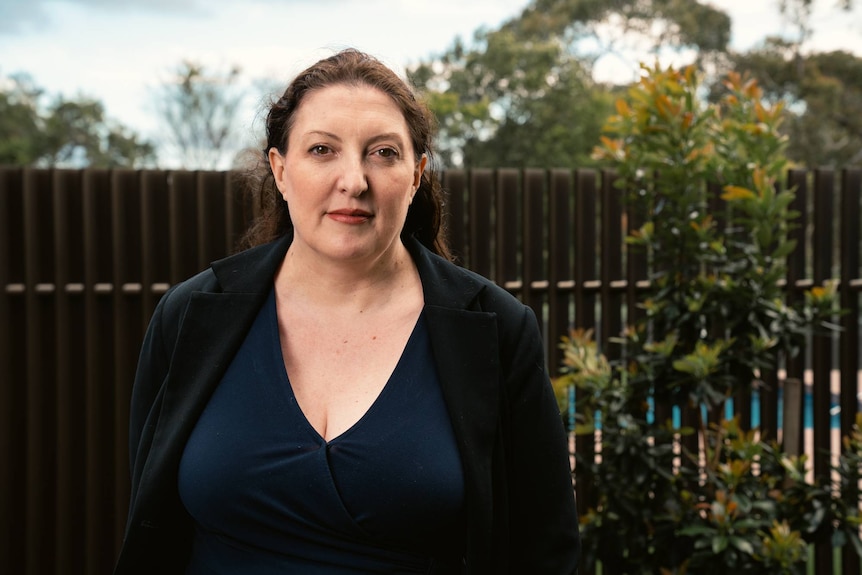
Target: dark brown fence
(85, 256)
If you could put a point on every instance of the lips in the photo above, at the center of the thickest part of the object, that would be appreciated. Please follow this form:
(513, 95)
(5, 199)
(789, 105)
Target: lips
(347, 216)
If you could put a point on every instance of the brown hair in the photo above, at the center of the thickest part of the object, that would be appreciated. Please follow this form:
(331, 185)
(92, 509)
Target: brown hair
(355, 68)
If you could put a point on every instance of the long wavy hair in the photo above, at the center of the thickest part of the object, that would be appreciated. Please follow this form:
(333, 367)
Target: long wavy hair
(353, 68)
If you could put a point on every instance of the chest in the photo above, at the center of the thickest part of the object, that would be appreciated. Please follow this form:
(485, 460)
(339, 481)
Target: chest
(338, 366)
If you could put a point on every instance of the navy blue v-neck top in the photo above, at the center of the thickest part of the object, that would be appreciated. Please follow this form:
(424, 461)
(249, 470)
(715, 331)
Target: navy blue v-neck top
(269, 495)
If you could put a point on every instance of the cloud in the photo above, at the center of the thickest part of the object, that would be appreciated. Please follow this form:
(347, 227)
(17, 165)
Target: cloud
(17, 15)
(22, 16)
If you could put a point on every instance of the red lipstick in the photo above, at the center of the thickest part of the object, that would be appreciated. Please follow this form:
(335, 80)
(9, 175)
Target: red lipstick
(347, 216)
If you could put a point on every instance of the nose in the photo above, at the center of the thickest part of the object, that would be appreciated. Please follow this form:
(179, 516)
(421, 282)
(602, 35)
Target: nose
(353, 180)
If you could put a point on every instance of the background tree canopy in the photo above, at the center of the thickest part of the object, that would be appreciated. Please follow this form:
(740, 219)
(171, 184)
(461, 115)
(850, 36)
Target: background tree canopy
(198, 109)
(63, 132)
(525, 95)
(823, 92)
(522, 95)
(508, 102)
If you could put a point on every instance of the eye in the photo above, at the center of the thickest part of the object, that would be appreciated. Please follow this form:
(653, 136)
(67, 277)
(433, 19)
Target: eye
(320, 150)
(387, 153)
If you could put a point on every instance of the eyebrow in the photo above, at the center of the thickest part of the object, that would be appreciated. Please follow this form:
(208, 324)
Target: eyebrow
(373, 140)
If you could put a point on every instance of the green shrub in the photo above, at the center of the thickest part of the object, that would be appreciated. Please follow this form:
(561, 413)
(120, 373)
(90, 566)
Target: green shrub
(715, 321)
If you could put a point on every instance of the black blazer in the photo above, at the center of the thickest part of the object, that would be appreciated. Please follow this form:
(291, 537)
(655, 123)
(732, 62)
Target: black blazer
(520, 505)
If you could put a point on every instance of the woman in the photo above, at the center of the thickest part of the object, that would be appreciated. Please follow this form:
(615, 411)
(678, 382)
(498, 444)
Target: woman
(340, 398)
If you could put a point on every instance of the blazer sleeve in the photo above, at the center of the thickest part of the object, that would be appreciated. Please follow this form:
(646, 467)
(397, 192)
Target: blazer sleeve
(154, 363)
(543, 518)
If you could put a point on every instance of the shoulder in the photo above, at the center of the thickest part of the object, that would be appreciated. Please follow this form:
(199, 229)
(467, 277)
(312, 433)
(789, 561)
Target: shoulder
(449, 285)
(174, 301)
(249, 271)
(245, 272)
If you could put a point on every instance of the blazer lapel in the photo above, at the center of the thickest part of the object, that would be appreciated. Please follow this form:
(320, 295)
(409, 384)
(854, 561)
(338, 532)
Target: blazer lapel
(213, 327)
(465, 344)
(465, 349)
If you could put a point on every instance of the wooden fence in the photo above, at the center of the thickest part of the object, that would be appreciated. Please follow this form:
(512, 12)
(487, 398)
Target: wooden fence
(85, 256)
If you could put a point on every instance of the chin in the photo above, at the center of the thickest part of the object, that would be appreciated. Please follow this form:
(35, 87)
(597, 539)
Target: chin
(352, 252)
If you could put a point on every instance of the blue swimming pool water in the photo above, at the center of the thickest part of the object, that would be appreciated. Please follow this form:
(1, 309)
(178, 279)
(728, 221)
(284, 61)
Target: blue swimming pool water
(807, 408)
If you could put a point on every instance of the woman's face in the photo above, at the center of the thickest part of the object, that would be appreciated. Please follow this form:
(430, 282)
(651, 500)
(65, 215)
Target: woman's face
(348, 175)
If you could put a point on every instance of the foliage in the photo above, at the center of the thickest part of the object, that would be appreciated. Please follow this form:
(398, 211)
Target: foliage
(64, 132)
(745, 506)
(707, 180)
(512, 103)
(716, 262)
(523, 95)
(823, 119)
(198, 109)
(676, 23)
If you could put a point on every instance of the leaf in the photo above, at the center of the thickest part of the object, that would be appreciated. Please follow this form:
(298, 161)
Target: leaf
(622, 107)
(743, 545)
(734, 193)
(856, 542)
(696, 530)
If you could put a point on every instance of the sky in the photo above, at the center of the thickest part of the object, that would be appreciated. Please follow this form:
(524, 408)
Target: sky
(119, 51)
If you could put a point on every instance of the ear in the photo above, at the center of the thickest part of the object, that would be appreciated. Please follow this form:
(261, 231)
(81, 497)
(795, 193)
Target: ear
(276, 164)
(418, 171)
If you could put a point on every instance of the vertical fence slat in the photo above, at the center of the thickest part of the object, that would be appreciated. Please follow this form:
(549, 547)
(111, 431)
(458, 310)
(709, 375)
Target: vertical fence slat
(534, 241)
(40, 353)
(12, 373)
(65, 429)
(851, 192)
(70, 406)
(767, 391)
(455, 186)
(182, 218)
(7, 431)
(238, 210)
(481, 203)
(127, 263)
(586, 250)
(768, 396)
(611, 270)
(507, 239)
(636, 260)
(559, 264)
(98, 334)
(155, 241)
(821, 346)
(584, 236)
(211, 217)
(797, 180)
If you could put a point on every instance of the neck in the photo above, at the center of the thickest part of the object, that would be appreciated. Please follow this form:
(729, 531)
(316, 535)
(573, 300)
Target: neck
(340, 285)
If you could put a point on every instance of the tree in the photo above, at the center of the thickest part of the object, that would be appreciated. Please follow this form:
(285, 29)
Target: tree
(19, 123)
(198, 109)
(63, 133)
(524, 95)
(798, 13)
(823, 91)
(514, 104)
(714, 322)
(675, 23)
